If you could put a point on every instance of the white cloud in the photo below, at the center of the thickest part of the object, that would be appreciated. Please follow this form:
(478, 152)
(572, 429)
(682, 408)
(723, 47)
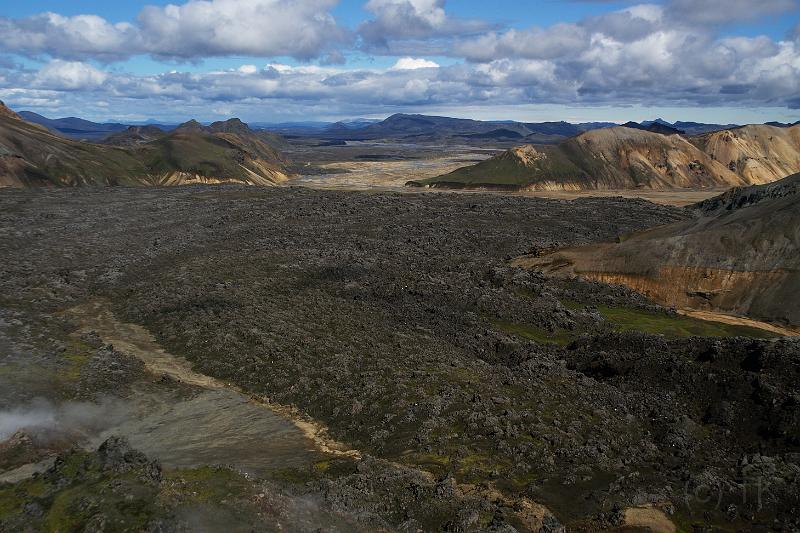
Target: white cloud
(69, 76)
(671, 67)
(411, 63)
(81, 36)
(248, 69)
(202, 28)
(303, 29)
(535, 43)
(403, 20)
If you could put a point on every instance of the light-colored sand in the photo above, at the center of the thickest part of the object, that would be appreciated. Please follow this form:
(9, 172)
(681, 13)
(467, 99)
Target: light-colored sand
(739, 321)
(386, 175)
(648, 518)
(393, 175)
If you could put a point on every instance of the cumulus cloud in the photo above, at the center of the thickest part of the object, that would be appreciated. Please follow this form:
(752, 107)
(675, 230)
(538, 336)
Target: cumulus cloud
(69, 76)
(403, 20)
(628, 24)
(667, 67)
(411, 63)
(201, 28)
(248, 69)
(68, 37)
(303, 29)
(535, 43)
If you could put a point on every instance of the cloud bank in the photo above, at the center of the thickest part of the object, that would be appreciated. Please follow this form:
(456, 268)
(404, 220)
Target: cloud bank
(303, 29)
(669, 54)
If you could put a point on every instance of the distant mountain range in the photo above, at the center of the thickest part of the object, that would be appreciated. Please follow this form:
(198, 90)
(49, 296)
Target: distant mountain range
(224, 152)
(634, 157)
(653, 154)
(424, 128)
(405, 127)
(688, 128)
(85, 130)
(74, 127)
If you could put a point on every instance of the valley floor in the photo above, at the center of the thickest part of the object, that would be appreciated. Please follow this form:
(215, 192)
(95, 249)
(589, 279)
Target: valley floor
(389, 166)
(408, 376)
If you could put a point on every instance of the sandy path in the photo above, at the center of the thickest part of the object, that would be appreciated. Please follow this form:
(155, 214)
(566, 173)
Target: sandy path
(739, 321)
(137, 341)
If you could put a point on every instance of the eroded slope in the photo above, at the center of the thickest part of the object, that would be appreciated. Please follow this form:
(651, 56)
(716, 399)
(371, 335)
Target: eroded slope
(740, 256)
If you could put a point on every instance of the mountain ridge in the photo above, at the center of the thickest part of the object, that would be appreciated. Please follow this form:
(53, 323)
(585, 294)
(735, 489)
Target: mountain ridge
(631, 158)
(31, 156)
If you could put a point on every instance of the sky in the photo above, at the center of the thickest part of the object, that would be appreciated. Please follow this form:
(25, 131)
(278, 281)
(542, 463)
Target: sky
(721, 61)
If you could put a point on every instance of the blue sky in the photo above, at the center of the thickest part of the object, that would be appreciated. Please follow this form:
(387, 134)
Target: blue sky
(274, 60)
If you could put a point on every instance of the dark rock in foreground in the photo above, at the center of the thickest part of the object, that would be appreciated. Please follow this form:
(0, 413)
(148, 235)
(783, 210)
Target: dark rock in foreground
(397, 321)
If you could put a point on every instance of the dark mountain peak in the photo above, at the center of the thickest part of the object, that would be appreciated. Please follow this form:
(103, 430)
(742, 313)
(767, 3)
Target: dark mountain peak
(232, 125)
(663, 129)
(782, 124)
(498, 134)
(562, 128)
(400, 118)
(148, 128)
(654, 127)
(338, 126)
(191, 125)
(134, 135)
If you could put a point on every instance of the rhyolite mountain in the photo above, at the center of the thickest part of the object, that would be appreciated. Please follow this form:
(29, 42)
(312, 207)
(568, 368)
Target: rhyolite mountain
(630, 158)
(226, 152)
(740, 255)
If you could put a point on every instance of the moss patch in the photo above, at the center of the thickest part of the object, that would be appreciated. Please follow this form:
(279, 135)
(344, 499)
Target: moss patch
(628, 319)
(10, 502)
(560, 337)
(208, 484)
(75, 358)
